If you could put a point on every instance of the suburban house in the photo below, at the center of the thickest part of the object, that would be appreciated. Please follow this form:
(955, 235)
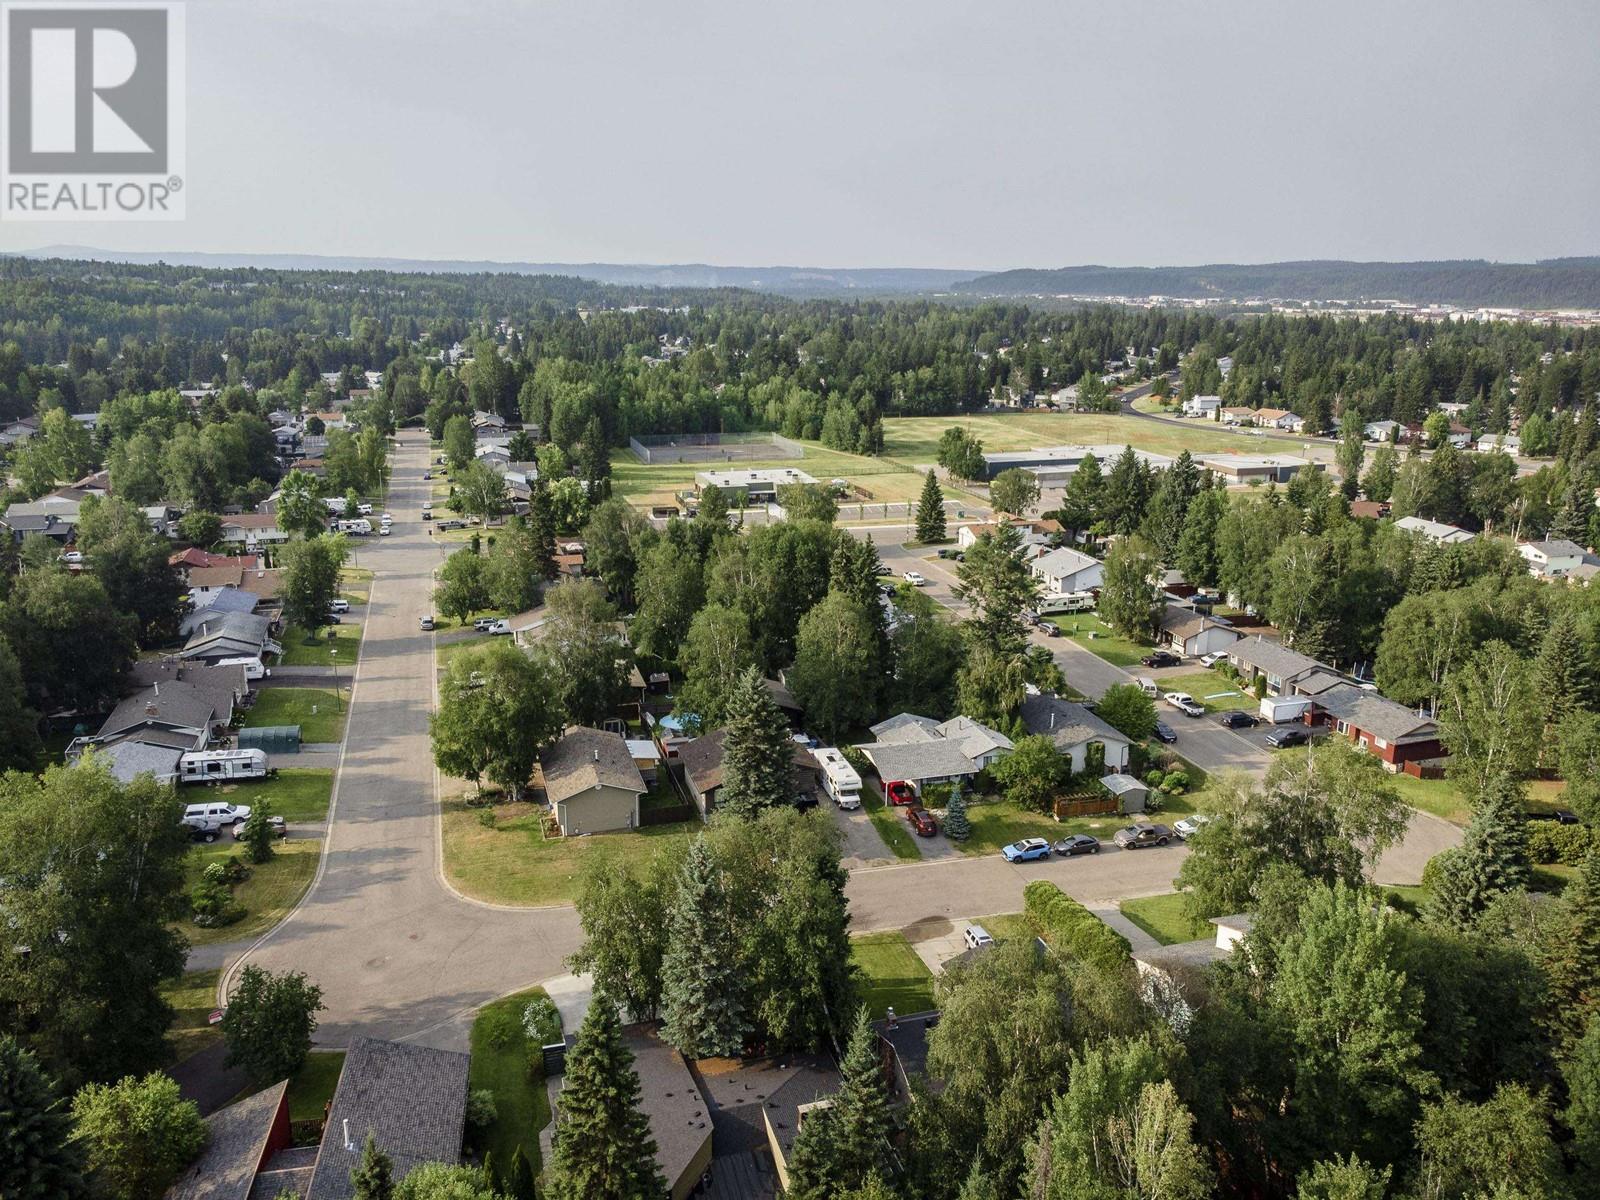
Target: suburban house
(1053, 466)
(1435, 531)
(592, 782)
(214, 604)
(1170, 976)
(1509, 442)
(14, 433)
(1066, 570)
(1391, 731)
(231, 635)
(1256, 657)
(1193, 633)
(55, 520)
(1257, 468)
(760, 484)
(174, 714)
(1459, 435)
(1551, 559)
(252, 529)
(1034, 532)
(919, 761)
(1280, 418)
(241, 1140)
(1202, 406)
(700, 759)
(1073, 729)
(979, 743)
(1236, 415)
(809, 1089)
(186, 560)
(671, 1100)
(1381, 431)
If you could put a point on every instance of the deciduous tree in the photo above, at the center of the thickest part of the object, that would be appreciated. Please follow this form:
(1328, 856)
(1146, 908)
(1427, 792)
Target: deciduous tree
(269, 1022)
(498, 708)
(139, 1133)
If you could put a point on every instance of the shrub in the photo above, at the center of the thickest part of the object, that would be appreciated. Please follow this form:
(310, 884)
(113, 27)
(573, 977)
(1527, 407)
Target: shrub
(1564, 844)
(1071, 928)
(1434, 871)
(1176, 782)
(486, 817)
(481, 1109)
(212, 903)
(1153, 777)
(541, 1021)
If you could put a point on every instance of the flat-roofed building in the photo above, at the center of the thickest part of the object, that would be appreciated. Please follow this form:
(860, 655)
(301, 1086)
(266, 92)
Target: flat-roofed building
(1053, 466)
(759, 484)
(1257, 468)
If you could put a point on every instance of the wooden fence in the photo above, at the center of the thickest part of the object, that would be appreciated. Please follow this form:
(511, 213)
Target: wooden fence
(1087, 805)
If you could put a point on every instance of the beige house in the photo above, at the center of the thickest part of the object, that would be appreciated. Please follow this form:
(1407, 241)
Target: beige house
(592, 782)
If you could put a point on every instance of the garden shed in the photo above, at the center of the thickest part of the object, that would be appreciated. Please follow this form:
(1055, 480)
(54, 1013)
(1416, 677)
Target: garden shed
(1130, 792)
(274, 739)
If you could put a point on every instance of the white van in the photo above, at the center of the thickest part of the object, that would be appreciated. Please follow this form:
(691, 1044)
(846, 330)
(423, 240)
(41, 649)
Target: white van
(1148, 686)
(252, 667)
(212, 766)
(976, 937)
(1066, 602)
(839, 778)
(206, 821)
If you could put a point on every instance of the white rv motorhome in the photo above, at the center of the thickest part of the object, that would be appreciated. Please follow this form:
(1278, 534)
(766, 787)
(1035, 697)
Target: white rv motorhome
(839, 778)
(214, 766)
(252, 666)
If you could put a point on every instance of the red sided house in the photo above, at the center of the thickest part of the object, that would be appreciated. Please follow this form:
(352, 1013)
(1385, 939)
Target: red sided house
(1401, 738)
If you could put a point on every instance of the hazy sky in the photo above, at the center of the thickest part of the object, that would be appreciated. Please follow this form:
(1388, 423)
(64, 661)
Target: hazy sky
(974, 134)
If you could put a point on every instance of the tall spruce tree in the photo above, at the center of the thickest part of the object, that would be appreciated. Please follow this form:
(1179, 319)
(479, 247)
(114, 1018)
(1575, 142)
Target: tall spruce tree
(956, 825)
(39, 1160)
(604, 1150)
(541, 521)
(1492, 860)
(702, 1001)
(520, 1183)
(1570, 956)
(865, 1120)
(930, 511)
(758, 755)
(1564, 674)
(373, 1176)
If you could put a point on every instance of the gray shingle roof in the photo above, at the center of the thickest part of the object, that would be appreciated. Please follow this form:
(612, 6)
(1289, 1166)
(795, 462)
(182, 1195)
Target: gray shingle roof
(586, 758)
(1272, 658)
(1557, 548)
(680, 1118)
(412, 1098)
(129, 760)
(1370, 712)
(238, 1139)
(248, 629)
(1066, 723)
(915, 761)
(900, 721)
(173, 704)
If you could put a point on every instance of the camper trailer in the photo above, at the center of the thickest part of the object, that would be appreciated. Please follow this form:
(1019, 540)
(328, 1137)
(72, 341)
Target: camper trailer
(839, 778)
(252, 666)
(1067, 602)
(217, 766)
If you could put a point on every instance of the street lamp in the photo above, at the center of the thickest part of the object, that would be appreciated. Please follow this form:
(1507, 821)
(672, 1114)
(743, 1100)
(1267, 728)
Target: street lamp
(333, 655)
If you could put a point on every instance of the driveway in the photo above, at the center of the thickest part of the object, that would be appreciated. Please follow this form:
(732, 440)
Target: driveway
(396, 952)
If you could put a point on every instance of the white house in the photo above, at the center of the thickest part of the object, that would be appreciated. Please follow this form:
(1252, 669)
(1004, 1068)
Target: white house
(1202, 406)
(1435, 531)
(1067, 570)
(1551, 559)
(1280, 418)
(1381, 431)
(1193, 633)
(1034, 533)
(1073, 729)
(1509, 442)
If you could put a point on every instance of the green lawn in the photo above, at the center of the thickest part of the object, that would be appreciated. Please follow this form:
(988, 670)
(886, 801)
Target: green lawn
(1093, 634)
(443, 652)
(999, 823)
(355, 584)
(500, 1057)
(917, 438)
(886, 819)
(194, 997)
(274, 887)
(312, 1086)
(1164, 918)
(1437, 796)
(1007, 927)
(891, 974)
(292, 706)
(298, 652)
(1205, 687)
(297, 794)
(513, 863)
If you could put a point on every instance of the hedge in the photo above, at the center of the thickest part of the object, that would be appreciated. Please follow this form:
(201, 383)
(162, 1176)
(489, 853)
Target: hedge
(1072, 928)
(1568, 845)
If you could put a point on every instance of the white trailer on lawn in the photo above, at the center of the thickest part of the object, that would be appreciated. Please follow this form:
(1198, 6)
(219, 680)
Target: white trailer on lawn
(1066, 602)
(1279, 710)
(216, 766)
(839, 778)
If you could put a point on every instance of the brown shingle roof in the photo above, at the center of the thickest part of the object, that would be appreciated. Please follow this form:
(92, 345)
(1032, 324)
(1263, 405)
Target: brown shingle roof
(587, 758)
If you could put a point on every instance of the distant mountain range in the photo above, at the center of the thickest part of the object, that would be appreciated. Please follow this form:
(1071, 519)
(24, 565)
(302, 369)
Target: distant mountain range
(1551, 283)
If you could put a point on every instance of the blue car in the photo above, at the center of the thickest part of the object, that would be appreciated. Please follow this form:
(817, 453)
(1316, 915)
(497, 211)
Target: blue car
(1027, 850)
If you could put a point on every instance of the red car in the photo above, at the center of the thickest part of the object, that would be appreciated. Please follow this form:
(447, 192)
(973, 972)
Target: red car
(922, 821)
(898, 791)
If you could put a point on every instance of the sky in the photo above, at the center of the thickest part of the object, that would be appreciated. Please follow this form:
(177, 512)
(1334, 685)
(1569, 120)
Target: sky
(1007, 133)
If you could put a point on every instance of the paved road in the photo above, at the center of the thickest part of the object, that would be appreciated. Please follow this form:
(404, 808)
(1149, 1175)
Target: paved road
(396, 952)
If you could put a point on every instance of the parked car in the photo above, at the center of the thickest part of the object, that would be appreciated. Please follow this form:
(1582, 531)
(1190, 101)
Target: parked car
(72, 557)
(1026, 850)
(898, 791)
(338, 606)
(1049, 629)
(914, 578)
(976, 936)
(1212, 659)
(497, 628)
(1185, 704)
(1561, 815)
(1161, 658)
(450, 523)
(922, 821)
(209, 819)
(482, 624)
(1077, 843)
(1282, 739)
(1165, 733)
(427, 474)
(1238, 720)
(387, 519)
(364, 509)
(279, 828)
(383, 530)
(1137, 837)
(426, 622)
(1187, 827)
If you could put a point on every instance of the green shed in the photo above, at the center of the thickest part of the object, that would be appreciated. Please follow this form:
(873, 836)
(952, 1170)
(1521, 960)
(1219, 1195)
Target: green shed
(274, 739)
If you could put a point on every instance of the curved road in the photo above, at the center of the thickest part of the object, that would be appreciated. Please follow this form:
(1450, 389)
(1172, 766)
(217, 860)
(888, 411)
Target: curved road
(399, 954)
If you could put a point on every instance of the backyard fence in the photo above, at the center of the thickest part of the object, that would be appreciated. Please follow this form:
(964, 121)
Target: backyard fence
(1087, 805)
